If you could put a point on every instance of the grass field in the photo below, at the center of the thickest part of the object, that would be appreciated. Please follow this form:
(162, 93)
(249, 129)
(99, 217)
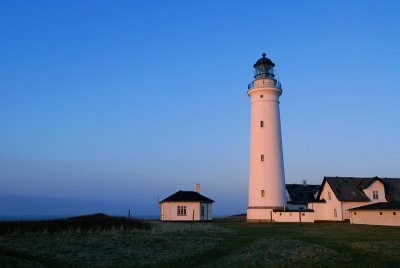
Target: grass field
(217, 244)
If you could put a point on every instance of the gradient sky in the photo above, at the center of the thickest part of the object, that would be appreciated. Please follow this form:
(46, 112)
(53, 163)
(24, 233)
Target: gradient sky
(110, 105)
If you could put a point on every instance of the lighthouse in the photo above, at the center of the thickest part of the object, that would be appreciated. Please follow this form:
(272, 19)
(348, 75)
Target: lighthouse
(266, 170)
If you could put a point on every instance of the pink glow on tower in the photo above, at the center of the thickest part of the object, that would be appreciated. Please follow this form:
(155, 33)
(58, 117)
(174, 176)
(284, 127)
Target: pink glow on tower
(266, 169)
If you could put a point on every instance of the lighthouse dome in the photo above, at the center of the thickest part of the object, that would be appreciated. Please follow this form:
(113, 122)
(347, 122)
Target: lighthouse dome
(264, 61)
(264, 68)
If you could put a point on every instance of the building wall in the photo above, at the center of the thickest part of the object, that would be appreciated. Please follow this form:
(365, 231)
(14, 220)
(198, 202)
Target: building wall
(348, 205)
(326, 211)
(207, 211)
(373, 217)
(293, 216)
(169, 211)
(259, 215)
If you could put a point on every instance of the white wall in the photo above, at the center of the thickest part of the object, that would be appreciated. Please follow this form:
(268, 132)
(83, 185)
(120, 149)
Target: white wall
(348, 205)
(258, 215)
(169, 211)
(373, 217)
(325, 211)
(293, 216)
(209, 210)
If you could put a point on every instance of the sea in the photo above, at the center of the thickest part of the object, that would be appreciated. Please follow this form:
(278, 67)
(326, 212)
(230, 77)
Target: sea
(53, 217)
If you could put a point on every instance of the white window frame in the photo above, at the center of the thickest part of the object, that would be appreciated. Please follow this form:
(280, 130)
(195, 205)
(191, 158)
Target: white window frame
(375, 195)
(181, 211)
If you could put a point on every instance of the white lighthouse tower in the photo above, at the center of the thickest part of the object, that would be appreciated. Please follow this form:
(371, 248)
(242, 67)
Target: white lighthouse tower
(266, 171)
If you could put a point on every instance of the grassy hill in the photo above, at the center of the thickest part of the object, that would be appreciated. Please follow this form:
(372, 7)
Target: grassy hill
(104, 241)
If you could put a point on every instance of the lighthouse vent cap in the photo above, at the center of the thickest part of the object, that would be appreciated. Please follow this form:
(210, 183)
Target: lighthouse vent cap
(264, 61)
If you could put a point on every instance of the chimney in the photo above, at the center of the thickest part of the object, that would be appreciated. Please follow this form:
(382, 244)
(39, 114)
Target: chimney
(304, 182)
(198, 187)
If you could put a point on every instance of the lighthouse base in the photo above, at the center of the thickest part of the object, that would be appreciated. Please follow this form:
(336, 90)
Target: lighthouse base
(260, 214)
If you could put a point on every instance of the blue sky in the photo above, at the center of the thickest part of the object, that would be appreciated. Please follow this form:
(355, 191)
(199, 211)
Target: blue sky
(110, 105)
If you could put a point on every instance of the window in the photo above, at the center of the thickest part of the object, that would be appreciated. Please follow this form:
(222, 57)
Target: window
(261, 96)
(303, 214)
(355, 213)
(394, 213)
(262, 193)
(181, 211)
(262, 158)
(202, 211)
(335, 213)
(375, 195)
(329, 196)
(261, 123)
(380, 213)
(280, 214)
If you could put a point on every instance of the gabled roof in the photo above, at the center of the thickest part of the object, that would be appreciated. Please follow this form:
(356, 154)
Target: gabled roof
(365, 182)
(380, 206)
(350, 189)
(300, 193)
(187, 196)
(392, 189)
(346, 189)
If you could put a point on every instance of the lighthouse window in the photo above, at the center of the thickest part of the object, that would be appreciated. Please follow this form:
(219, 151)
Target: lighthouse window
(262, 158)
(261, 96)
(262, 193)
(261, 123)
(335, 212)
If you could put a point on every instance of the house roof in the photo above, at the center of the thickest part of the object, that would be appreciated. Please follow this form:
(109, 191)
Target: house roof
(380, 206)
(347, 188)
(187, 196)
(301, 194)
(392, 189)
(350, 189)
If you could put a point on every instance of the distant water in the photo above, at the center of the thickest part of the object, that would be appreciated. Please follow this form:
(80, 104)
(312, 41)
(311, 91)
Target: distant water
(31, 217)
(52, 217)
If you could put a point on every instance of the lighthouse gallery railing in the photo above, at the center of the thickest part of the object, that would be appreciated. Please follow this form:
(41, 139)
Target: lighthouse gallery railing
(261, 83)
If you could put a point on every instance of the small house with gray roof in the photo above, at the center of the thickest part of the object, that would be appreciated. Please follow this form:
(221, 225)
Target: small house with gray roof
(186, 206)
